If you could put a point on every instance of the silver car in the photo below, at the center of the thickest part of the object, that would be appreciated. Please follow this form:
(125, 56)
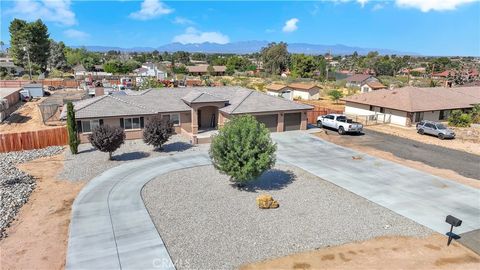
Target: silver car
(435, 129)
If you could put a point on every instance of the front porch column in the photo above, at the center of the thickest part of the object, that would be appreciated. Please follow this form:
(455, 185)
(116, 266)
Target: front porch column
(280, 122)
(194, 121)
(221, 120)
(303, 123)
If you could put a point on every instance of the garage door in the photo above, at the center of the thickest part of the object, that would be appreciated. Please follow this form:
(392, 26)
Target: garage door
(270, 121)
(292, 121)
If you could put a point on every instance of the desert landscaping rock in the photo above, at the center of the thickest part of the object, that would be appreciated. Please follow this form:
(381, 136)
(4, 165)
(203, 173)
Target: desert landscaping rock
(207, 223)
(91, 162)
(15, 185)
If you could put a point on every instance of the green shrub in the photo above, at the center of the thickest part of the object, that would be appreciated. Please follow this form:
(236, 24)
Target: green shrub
(73, 140)
(335, 95)
(243, 149)
(459, 119)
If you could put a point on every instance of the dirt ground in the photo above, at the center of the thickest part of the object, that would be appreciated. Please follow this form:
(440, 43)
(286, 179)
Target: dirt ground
(444, 173)
(37, 239)
(26, 118)
(470, 144)
(381, 253)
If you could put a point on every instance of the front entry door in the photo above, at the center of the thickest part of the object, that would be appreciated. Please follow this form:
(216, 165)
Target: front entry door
(199, 119)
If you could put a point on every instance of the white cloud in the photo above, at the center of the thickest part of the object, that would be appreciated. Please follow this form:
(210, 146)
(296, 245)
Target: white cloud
(182, 20)
(362, 2)
(76, 34)
(193, 35)
(428, 5)
(290, 25)
(57, 11)
(377, 6)
(150, 9)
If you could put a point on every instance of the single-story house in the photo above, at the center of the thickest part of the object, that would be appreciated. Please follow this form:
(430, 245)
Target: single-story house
(203, 70)
(149, 69)
(11, 68)
(279, 90)
(408, 105)
(305, 91)
(357, 80)
(193, 110)
(371, 86)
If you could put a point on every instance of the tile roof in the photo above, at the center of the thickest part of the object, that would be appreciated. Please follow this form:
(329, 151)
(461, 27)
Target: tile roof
(240, 100)
(413, 99)
(275, 87)
(358, 78)
(302, 86)
(204, 68)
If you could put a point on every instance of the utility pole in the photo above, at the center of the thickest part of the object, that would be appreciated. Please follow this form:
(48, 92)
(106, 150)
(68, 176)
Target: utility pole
(29, 64)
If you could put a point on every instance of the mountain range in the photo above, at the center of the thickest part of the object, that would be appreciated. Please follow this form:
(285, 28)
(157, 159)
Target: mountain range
(244, 47)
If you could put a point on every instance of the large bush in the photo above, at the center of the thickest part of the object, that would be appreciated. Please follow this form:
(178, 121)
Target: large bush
(107, 139)
(157, 131)
(243, 149)
(459, 119)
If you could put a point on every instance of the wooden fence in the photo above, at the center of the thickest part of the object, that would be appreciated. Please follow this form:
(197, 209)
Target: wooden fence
(313, 115)
(33, 139)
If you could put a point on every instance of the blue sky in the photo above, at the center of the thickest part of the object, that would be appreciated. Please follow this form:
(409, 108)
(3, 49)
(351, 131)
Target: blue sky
(430, 27)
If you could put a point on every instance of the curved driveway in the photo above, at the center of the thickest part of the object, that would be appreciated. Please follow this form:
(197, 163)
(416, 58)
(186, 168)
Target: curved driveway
(111, 229)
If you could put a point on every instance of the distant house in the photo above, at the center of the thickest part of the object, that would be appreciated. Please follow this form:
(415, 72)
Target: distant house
(203, 70)
(149, 70)
(409, 105)
(444, 74)
(358, 80)
(279, 90)
(193, 110)
(305, 91)
(11, 68)
(79, 70)
(371, 86)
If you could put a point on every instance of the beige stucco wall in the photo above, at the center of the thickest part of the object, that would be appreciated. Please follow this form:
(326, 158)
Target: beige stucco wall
(313, 93)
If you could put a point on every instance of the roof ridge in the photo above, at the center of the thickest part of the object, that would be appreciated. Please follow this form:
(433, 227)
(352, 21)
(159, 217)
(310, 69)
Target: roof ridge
(199, 95)
(240, 103)
(129, 102)
(95, 101)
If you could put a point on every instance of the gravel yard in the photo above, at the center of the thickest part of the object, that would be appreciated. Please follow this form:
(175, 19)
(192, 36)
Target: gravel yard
(206, 223)
(15, 185)
(91, 162)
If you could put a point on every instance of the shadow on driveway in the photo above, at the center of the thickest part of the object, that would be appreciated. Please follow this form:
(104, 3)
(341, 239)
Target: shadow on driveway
(273, 179)
(131, 156)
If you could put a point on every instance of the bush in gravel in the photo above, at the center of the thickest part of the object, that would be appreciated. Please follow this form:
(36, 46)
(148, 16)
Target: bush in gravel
(459, 119)
(243, 149)
(157, 131)
(73, 140)
(107, 139)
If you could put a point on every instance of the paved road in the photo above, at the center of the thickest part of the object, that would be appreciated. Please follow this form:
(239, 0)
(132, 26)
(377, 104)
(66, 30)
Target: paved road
(461, 162)
(111, 229)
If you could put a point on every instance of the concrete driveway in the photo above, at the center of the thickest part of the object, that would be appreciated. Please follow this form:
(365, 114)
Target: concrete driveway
(422, 197)
(111, 228)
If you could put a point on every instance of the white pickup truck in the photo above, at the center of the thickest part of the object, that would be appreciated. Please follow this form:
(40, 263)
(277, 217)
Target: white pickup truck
(339, 122)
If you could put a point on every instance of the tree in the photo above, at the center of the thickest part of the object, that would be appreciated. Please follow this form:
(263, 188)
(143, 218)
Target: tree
(73, 140)
(243, 149)
(32, 37)
(57, 59)
(157, 131)
(275, 57)
(210, 70)
(302, 65)
(107, 139)
(150, 82)
(335, 95)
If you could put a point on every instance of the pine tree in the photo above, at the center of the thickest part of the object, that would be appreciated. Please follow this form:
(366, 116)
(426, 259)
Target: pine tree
(73, 140)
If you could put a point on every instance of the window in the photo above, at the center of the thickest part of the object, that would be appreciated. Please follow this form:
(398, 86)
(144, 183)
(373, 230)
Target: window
(131, 123)
(89, 125)
(444, 114)
(382, 110)
(174, 117)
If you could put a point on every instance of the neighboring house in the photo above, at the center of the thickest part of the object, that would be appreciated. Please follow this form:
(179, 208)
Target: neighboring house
(79, 70)
(371, 86)
(279, 90)
(11, 68)
(305, 91)
(358, 80)
(203, 70)
(193, 110)
(149, 70)
(408, 105)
